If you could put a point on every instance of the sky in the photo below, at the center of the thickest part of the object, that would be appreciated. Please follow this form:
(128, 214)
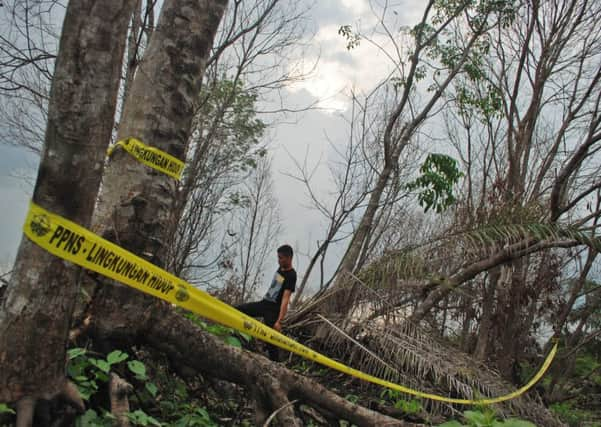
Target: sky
(305, 135)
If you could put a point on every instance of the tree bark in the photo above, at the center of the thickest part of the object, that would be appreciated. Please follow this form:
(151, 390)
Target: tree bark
(159, 112)
(37, 308)
(487, 320)
(119, 389)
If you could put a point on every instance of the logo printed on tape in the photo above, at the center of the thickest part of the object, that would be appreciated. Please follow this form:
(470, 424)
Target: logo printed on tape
(40, 225)
(248, 325)
(182, 294)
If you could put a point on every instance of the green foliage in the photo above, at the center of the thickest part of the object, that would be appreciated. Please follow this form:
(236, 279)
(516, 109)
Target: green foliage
(486, 418)
(302, 366)
(353, 398)
(196, 417)
(138, 369)
(228, 335)
(173, 409)
(4, 409)
(141, 418)
(411, 406)
(449, 49)
(570, 414)
(89, 372)
(439, 174)
(227, 118)
(483, 105)
(93, 419)
(86, 372)
(587, 365)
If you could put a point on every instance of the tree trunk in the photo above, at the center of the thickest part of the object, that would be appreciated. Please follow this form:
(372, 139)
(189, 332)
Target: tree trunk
(510, 333)
(37, 308)
(366, 225)
(486, 321)
(135, 202)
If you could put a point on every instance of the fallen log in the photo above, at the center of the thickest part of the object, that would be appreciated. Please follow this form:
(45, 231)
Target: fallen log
(121, 315)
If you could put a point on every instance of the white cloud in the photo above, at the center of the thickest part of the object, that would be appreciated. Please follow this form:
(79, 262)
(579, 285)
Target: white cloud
(356, 7)
(339, 70)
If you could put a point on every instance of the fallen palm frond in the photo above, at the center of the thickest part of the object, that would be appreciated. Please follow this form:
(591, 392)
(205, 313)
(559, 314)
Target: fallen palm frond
(374, 336)
(441, 258)
(400, 352)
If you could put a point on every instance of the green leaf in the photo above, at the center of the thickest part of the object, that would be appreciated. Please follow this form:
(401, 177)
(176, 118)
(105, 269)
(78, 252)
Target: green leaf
(477, 418)
(102, 376)
(4, 409)
(151, 388)
(116, 356)
(138, 368)
(353, 398)
(101, 364)
(89, 418)
(246, 337)
(233, 341)
(140, 417)
(452, 423)
(72, 353)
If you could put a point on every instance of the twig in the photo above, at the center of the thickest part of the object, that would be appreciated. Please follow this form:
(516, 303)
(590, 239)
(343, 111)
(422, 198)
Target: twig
(274, 414)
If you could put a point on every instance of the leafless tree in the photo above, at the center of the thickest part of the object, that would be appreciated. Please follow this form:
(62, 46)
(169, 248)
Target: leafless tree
(28, 48)
(424, 66)
(354, 172)
(527, 129)
(257, 229)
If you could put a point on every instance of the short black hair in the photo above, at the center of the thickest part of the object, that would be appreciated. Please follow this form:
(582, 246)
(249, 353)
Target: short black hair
(286, 250)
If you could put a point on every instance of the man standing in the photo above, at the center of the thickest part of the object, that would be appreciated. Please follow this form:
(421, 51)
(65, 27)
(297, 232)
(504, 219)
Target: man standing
(274, 305)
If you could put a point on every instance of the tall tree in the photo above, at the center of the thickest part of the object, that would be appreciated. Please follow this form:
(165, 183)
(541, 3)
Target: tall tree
(259, 227)
(423, 71)
(37, 307)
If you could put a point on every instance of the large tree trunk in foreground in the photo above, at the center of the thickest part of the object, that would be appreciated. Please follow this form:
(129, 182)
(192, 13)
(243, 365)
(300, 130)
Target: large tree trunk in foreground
(135, 202)
(144, 320)
(37, 308)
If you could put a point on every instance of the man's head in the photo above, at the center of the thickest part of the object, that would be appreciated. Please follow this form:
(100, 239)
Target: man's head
(285, 254)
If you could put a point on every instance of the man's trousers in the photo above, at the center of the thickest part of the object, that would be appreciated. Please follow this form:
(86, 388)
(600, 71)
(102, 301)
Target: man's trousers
(267, 310)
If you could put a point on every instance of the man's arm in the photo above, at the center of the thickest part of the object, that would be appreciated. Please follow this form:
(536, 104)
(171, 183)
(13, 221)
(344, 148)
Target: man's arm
(283, 309)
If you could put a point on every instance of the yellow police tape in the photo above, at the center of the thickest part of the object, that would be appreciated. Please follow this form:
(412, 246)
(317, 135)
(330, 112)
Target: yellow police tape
(150, 156)
(71, 242)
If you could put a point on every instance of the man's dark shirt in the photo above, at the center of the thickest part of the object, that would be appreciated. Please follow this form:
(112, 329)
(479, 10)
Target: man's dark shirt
(282, 280)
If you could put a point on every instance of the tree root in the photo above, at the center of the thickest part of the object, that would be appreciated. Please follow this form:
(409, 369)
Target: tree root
(121, 314)
(25, 409)
(118, 392)
(38, 407)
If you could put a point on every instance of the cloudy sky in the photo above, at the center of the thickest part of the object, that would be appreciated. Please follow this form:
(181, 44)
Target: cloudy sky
(303, 136)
